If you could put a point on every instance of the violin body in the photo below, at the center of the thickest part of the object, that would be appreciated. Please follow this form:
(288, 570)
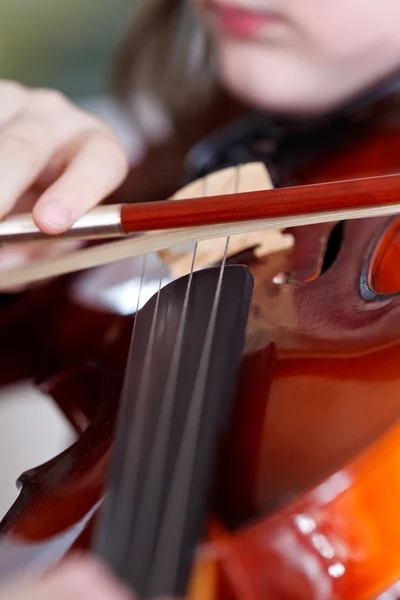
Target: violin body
(306, 489)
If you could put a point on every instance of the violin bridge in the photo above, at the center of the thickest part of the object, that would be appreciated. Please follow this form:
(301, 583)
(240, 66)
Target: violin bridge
(250, 177)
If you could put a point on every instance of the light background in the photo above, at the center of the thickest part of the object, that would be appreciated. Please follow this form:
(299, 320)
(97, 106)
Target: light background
(67, 44)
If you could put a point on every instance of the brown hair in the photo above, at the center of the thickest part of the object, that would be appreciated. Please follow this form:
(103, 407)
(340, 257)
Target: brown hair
(166, 59)
(165, 62)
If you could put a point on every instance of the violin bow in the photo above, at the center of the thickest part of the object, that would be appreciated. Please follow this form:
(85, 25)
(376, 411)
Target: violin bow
(152, 226)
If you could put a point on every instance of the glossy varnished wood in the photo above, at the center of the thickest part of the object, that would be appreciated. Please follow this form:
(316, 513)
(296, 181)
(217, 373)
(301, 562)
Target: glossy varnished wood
(317, 417)
(339, 540)
(315, 386)
(268, 204)
(384, 274)
(306, 494)
(59, 499)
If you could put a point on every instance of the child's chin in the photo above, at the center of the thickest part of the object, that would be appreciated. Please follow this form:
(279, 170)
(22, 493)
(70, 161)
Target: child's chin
(278, 87)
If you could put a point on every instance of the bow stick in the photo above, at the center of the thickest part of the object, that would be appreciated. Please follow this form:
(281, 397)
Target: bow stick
(174, 223)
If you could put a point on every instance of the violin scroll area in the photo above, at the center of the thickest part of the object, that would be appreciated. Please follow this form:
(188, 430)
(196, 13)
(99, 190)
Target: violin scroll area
(381, 272)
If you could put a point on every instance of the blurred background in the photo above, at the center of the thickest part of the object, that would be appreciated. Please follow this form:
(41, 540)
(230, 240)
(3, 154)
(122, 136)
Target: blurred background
(67, 45)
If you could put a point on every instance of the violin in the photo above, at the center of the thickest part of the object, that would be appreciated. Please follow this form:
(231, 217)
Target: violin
(298, 490)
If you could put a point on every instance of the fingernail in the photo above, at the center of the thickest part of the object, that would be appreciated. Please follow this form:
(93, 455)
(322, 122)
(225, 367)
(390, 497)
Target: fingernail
(56, 215)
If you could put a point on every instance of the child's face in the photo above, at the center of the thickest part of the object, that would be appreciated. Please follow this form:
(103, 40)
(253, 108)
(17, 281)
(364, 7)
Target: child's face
(302, 55)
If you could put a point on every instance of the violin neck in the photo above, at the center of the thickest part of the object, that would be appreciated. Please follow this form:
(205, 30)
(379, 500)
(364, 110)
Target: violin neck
(185, 353)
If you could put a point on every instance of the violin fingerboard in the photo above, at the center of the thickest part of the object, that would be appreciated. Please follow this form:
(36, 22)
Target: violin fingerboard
(180, 381)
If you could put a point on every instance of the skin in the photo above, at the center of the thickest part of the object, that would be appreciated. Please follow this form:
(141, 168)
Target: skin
(78, 577)
(55, 160)
(311, 55)
(59, 161)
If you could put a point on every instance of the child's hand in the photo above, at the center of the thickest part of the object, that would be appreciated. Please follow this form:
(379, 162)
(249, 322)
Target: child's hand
(81, 578)
(45, 137)
(55, 160)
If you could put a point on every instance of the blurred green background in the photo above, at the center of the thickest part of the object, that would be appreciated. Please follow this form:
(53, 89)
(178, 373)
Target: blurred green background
(66, 44)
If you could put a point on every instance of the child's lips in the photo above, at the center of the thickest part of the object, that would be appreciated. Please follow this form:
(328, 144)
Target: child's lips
(241, 20)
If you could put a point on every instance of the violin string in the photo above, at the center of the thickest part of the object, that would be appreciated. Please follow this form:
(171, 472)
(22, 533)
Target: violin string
(134, 442)
(125, 404)
(166, 561)
(146, 523)
(151, 498)
(129, 477)
(124, 410)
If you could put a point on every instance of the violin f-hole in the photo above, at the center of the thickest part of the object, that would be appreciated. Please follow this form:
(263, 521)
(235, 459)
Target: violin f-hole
(333, 246)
